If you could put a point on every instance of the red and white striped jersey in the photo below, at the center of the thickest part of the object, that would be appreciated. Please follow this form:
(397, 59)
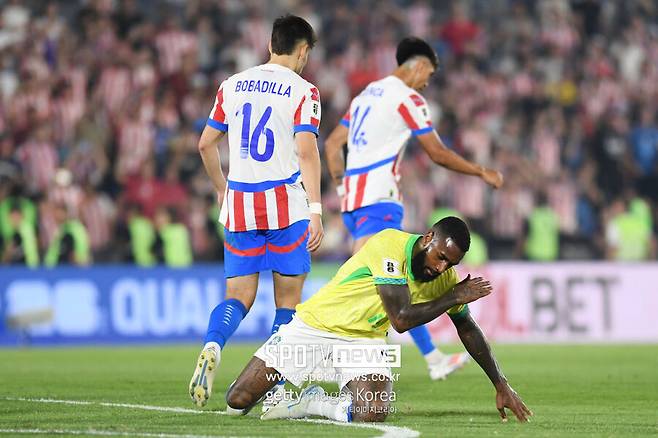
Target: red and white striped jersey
(114, 87)
(136, 142)
(380, 120)
(262, 108)
(39, 161)
(172, 46)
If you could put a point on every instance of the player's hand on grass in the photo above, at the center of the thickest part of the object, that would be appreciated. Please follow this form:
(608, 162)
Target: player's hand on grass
(316, 232)
(506, 397)
(471, 289)
(493, 178)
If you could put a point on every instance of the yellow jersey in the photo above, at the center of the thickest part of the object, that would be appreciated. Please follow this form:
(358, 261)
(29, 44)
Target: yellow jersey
(349, 304)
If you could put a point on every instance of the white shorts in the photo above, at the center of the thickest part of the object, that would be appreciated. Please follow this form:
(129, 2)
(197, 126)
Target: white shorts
(301, 353)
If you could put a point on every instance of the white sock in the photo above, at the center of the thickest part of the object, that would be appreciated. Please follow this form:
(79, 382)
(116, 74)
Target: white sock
(235, 412)
(333, 408)
(214, 346)
(278, 387)
(434, 357)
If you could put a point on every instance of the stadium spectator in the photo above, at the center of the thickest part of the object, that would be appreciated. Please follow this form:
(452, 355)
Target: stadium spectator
(141, 234)
(70, 243)
(20, 242)
(540, 241)
(628, 236)
(460, 31)
(172, 242)
(557, 91)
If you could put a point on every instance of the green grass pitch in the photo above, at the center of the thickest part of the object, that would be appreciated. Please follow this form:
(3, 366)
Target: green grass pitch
(573, 390)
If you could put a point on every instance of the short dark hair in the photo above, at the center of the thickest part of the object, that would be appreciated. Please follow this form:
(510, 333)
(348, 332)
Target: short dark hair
(456, 229)
(414, 46)
(287, 31)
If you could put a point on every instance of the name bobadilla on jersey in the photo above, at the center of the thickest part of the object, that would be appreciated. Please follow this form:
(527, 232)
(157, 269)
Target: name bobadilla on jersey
(262, 109)
(262, 87)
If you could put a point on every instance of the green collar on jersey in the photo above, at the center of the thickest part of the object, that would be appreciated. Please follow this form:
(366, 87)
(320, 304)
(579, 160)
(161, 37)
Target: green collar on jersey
(409, 248)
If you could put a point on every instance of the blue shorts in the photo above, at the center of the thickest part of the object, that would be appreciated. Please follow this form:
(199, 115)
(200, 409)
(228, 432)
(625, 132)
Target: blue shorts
(283, 251)
(373, 218)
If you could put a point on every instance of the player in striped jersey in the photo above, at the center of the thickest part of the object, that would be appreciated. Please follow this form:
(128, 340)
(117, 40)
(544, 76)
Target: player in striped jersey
(272, 117)
(376, 128)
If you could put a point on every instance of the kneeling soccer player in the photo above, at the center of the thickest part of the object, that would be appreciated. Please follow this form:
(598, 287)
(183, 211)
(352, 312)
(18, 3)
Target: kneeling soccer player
(397, 279)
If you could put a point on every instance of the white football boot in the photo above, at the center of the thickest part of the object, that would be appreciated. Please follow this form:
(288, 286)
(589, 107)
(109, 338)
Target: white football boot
(447, 365)
(204, 375)
(297, 408)
(275, 396)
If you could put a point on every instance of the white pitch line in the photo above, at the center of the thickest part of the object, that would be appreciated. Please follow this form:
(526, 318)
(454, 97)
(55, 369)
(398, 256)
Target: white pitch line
(100, 433)
(115, 405)
(160, 408)
(389, 431)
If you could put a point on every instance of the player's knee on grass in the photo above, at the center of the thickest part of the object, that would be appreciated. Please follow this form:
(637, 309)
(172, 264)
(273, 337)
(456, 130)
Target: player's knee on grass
(371, 398)
(251, 385)
(238, 398)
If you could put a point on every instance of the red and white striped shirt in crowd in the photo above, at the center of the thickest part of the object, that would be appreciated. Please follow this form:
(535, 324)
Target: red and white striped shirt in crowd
(419, 17)
(114, 87)
(144, 75)
(69, 195)
(468, 195)
(192, 106)
(96, 213)
(172, 45)
(65, 115)
(255, 32)
(167, 114)
(383, 57)
(47, 224)
(77, 78)
(562, 199)
(262, 108)
(476, 140)
(547, 152)
(147, 108)
(135, 141)
(39, 161)
(19, 106)
(380, 120)
(510, 207)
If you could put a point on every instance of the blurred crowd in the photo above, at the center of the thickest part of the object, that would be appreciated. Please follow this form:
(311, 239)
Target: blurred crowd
(102, 103)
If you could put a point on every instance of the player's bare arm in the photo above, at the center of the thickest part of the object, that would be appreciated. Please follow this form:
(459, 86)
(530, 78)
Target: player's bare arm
(209, 150)
(404, 315)
(309, 165)
(333, 152)
(477, 346)
(441, 155)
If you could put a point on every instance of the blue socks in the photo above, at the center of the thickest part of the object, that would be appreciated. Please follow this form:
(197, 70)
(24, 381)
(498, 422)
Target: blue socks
(281, 317)
(422, 339)
(224, 321)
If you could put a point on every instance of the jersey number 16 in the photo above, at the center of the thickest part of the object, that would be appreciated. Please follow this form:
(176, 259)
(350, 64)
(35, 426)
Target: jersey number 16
(249, 139)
